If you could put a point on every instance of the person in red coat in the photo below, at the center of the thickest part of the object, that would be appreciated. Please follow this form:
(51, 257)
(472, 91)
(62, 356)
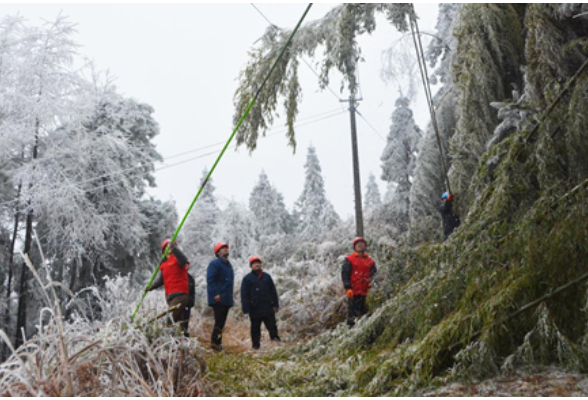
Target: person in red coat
(357, 273)
(173, 276)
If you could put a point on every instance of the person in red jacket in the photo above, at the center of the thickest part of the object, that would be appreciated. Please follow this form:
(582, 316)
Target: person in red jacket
(173, 276)
(357, 273)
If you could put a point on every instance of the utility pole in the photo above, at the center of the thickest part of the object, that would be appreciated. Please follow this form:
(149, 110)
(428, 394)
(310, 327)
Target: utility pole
(356, 180)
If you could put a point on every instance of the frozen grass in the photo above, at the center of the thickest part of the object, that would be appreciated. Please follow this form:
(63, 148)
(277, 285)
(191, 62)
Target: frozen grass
(110, 358)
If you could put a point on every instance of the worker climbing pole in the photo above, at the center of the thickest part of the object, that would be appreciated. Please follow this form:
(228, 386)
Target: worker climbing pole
(245, 113)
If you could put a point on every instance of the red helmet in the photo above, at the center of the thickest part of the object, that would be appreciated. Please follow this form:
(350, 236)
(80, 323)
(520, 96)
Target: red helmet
(253, 259)
(164, 245)
(219, 246)
(357, 240)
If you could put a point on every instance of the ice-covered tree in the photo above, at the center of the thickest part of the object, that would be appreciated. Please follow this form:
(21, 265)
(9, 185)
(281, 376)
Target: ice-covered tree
(336, 33)
(42, 98)
(198, 231)
(315, 212)
(429, 176)
(398, 157)
(372, 195)
(440, 49)
(269, 211)
(93, 173)
(485, 67)
(235, 227)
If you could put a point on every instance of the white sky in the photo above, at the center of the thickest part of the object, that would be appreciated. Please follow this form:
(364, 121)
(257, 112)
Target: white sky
(183, 59)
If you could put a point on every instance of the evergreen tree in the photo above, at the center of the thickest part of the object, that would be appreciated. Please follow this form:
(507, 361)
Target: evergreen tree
(316, 214)
(267, 206)
(398, 157)
(429, 180)
(235, 227)
(372, 195)
(198, 231)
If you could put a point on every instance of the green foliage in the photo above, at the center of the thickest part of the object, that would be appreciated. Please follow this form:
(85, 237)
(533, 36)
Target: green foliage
(486, 65)
(337, 32)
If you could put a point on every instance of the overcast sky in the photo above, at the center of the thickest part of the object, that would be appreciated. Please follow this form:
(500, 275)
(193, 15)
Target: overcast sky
(184, 60)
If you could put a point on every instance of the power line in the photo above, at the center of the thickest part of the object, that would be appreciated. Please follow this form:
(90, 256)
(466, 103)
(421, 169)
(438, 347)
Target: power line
(418, 45)
(263, 15)
(303, 59)
(304, 121)
(327, 86)
(309, 122)
(370, 125)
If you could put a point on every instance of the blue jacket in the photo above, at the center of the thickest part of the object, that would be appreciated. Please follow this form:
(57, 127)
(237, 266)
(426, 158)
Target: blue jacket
(258, 295)
(220, 280)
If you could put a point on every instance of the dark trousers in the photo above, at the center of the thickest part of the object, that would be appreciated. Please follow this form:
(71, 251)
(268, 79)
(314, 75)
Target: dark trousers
(356, 308)
(181, 301)
(186, 320)
(220, 318)
(269, 320)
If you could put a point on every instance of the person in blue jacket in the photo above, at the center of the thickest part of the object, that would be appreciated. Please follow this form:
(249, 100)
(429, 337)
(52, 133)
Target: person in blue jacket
(220, 280)
(259, 299)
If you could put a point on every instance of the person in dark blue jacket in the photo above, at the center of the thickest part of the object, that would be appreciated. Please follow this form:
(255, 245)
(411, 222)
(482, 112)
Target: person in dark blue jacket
(259, 299)
(450, 221)
(220, 280)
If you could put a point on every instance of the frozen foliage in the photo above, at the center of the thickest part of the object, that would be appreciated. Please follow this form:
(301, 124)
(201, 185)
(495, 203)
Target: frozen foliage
(400, 67)
(372, 197)
(507, 290)
(201, 222)
(336, 33)
(440, 49)
(269, 211)
(429, 181)
(86, 202)
(398, 157)
(513, 115)
(315, 212)
(109, 358)
(486, 66)
(573, 10)
(235, 227)
(76, 158)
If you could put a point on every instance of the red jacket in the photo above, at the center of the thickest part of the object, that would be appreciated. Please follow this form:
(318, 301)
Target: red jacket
(175, 277)
(357, 273)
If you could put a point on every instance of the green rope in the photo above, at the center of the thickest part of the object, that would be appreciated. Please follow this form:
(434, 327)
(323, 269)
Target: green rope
(221, 155)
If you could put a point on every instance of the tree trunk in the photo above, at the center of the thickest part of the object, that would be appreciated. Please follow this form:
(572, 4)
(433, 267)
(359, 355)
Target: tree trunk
(6, 319)
(21, 318)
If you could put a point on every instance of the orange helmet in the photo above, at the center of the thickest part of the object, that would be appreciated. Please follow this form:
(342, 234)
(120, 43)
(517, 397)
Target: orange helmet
(357, 240)
(164, 245)
(219, 246)
(253, 259)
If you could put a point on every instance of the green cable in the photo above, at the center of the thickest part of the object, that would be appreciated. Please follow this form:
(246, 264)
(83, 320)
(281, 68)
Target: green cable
(220, 156)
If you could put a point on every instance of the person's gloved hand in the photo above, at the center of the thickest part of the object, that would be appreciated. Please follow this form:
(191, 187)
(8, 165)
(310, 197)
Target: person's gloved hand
(350, 294)
(450, 197)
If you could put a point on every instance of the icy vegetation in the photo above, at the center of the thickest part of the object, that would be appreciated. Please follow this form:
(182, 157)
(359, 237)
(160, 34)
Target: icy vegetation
(500, 307)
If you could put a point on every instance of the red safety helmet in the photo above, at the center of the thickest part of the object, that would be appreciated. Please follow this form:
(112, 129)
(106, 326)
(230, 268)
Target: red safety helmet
(253, 259)
(219, 246)
(357, 240)
(164, 245)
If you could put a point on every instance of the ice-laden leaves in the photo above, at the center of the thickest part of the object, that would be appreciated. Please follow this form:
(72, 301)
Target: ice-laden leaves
(337, 32)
